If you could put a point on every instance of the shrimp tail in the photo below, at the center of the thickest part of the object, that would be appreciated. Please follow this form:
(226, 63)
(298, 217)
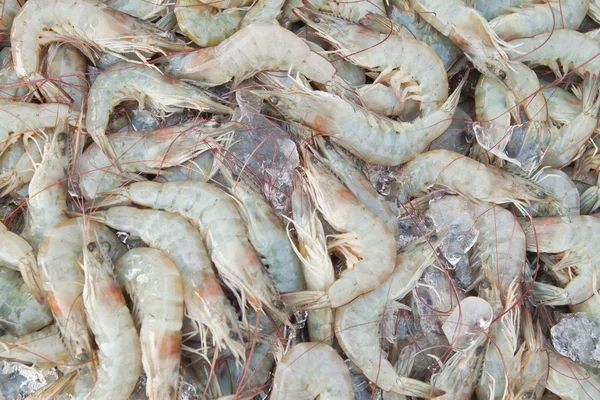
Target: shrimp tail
(53, 389)
(591, 97)
(52, 92)
(306, 300)
(108, 149)
(590, 200)
(31, 279)
(413, 387)
(549, 295)
(452, 101)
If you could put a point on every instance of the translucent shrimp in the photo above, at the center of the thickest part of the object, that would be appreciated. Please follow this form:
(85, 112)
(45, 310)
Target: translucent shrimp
(68, 67)
(570, 380)
(316, 263)
(565, 195)
(267, 233)
(91, 23)
(476, 181)
(221, 227)
(48, 190)
(62, 280)
(255, 48)
(205, 302)
(17, 254)
(563, 106)
(40, 347)
(146, 85)
(20, 314)
(375, 139)
(356, 324)
(529, 20)
(413, 70)
(119, 361)
(206, 25)
(312, 370)
(149, 152)
(154, 284)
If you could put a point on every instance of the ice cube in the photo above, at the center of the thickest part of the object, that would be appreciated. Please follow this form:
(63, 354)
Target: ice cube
(578, 338)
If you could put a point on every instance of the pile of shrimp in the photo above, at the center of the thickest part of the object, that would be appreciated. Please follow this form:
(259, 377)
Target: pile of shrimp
(285, 199)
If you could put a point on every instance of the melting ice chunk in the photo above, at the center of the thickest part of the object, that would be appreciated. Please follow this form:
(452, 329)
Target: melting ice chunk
(578, 338)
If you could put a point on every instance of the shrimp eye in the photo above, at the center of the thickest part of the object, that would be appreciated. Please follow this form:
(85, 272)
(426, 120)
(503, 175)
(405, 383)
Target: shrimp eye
(274, 99)
(62, 137)
(315, 19)
(485, 284)
(502, 75)
(2, 331)
(82, 357)
(91, 246)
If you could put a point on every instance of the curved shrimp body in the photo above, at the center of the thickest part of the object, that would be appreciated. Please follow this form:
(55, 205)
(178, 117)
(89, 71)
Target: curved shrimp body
(154, 283)
(20, 314)
(62, 280)
(267, 234)
(569, 380)
(119, 361)
(221, 227)
(554, 48)
(476, 181)
(205, 301)
(312, 370)
(376, 139)
(206, 25)
(68, 66)
(357, 323)
(90, 22)
(255, 48)
(142, 9)
(400, 60)
(532, 19)
(316, 263)
(143, 151)
(17, 254)
(44, 346)
(48, 190)
(146, 85)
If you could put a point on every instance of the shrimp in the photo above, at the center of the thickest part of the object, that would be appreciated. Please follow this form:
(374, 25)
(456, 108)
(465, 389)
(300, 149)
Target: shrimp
(263, 11)
(119, 361)
(559, 187)
(356, 324)
(472, 34)
(154, 284)
(92, 23)
(570, 380)
(20, 314)
(48, 190)
(491, 10)
(316, 263)
(145, 152)
(205, 302)
(400, 61)
(375, 139)
(146, 85)
(255, 48)
(476, 181)
(40, 347)
(206, 25)
(267, 233)
(563, 106)
(62, 280)
(532, 19)
(365, 242)
(147, 10)
(312, 370)
(17, 254)
(221, 227)
(68, 67)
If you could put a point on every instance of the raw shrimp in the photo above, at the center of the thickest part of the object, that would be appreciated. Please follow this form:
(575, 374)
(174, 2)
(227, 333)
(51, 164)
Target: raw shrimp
(62, 280)
(559, 187)
(255, 48)
(532, 19)
(91, 23)
(312, 370)
(41, 347)
(365, 242)
(119, 361)
(67, 66)
(48, 190)
(222, 229)
(17, 254)
(316, 263)
(154, 285)
(376, 139)
(147, 10)
(267, 233)
(570, 380)
(563, 106)
(493, 9)
(20, 314)
(205, 302)
(400, 61)
(144, 152)
(146, 85)
(206, 25)
(357, 323)
(476, 181)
